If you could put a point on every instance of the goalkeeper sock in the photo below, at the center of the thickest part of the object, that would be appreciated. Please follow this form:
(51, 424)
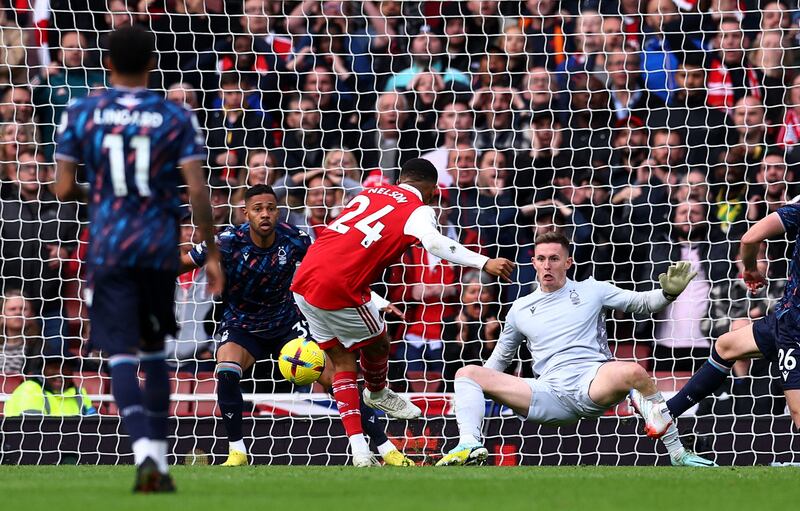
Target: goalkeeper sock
(672, 441)
(229, 398)
(374, 369)
(705, 381)
(128, 396)
(470, 408)
(156, 393)
(372, 425)
(345, 391)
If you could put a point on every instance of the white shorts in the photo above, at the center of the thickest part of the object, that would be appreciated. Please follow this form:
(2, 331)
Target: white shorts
(352, 327)
(563, 398)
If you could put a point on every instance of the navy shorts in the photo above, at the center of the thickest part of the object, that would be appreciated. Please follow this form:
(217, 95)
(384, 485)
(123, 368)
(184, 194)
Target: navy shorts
(264, 347)
(130, 309)
(778, 339)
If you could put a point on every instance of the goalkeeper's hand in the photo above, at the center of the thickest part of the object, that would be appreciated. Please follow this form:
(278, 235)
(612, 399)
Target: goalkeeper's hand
(676, 279)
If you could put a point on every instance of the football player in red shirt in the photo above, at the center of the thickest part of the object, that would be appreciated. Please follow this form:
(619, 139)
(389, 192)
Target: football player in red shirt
(331, 287)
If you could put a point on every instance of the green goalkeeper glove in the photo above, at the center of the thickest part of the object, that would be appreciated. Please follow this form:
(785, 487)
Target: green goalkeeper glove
(676, 279)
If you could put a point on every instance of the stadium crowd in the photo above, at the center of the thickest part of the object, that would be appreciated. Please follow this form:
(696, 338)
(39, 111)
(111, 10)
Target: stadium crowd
(649, 131)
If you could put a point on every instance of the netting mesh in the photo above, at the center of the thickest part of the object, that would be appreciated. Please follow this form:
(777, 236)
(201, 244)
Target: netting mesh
(647, 131)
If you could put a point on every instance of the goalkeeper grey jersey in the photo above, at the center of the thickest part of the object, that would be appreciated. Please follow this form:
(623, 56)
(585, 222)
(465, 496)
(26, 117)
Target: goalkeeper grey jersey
(567, 327)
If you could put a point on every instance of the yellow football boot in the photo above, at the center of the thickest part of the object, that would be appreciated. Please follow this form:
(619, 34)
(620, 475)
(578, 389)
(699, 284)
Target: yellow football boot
(236, 459)
(396, 458)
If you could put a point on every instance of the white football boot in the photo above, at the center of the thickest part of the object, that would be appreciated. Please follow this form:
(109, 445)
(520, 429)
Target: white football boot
(657, 418)
(395, 406)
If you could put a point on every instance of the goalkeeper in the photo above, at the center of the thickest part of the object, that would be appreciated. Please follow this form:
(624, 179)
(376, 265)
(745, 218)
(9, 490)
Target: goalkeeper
(563, 322)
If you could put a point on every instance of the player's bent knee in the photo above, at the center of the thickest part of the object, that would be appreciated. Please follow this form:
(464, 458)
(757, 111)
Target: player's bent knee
(472, 372)
(726, 346)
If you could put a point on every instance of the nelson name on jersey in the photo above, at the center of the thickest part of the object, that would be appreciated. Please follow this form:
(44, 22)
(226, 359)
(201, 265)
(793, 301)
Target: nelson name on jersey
(394, 194)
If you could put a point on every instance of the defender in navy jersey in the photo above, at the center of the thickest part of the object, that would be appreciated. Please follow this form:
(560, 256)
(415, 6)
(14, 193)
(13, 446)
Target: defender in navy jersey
(137, 150)
(775, 337)
(259, 259)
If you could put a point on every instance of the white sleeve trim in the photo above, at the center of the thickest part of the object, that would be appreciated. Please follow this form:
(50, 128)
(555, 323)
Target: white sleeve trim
(422, 225)
(379, 301)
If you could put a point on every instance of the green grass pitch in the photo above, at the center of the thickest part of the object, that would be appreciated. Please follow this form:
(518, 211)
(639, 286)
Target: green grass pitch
(85, 488)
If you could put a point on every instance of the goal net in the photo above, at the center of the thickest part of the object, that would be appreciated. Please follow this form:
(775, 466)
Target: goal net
(648, 131)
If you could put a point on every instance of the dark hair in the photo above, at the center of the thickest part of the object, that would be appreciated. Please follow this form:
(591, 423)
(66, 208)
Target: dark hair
(419, 170)
(775, 150)
(131, 50)
(552, 237)
(259, 190)
(233, 78)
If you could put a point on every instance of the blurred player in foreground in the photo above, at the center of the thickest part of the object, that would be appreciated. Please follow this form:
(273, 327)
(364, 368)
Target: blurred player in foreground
(259, 259)
(137, 150)
(331, 287)
(775, 337)
(563, 323)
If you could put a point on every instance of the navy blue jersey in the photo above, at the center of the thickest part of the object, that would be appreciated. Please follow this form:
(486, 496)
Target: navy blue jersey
(257, 296)
(131, 142)
(790, 302)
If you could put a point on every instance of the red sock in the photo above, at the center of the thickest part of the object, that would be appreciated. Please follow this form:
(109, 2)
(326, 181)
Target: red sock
(345, 391)
(375, 370)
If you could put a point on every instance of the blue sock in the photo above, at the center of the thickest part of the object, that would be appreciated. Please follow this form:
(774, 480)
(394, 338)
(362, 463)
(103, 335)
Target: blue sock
(702, 384)
(128, 395)
(372, 426)
(156, 392)
(229, 398)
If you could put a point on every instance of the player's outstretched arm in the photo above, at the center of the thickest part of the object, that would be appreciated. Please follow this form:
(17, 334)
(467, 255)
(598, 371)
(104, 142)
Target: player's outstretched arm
(673, 283)
(201, 208)
(422, 225)
(766, 228)
(66, 187)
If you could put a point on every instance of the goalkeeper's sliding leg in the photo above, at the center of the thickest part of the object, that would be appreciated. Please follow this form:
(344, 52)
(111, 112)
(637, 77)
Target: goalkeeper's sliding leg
(773, 337)
(585, 391)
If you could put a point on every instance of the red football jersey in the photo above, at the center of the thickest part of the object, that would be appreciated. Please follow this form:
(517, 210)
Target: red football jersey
(355, 249)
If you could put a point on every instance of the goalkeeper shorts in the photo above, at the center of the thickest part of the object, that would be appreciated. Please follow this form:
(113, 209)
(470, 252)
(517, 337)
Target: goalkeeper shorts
(563, 397)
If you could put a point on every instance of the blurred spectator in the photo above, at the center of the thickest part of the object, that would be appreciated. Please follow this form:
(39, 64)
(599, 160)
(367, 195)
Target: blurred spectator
(499, 125)
(20, 335)
(693, 187)
(38, 233)
(323, 200)
(183, 94)
(539, 93)
(681, 344)
(304, 141)
(235, 125)
(735, 76)
(589, 113)
(471, 338)
(729, 195)
(424, 90)
(65, 79)
(15, 105)
(12, 50)
(426, 53)
(789, 135)
(54, 394)
(193, 343)
(707, 130)
(777, 186)
(14, 139)
(456, 124)
(545, 42)
(341, 167)
(393, 140)
(748, 118)
(668, 153)
(512, 42)
(629, 96)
